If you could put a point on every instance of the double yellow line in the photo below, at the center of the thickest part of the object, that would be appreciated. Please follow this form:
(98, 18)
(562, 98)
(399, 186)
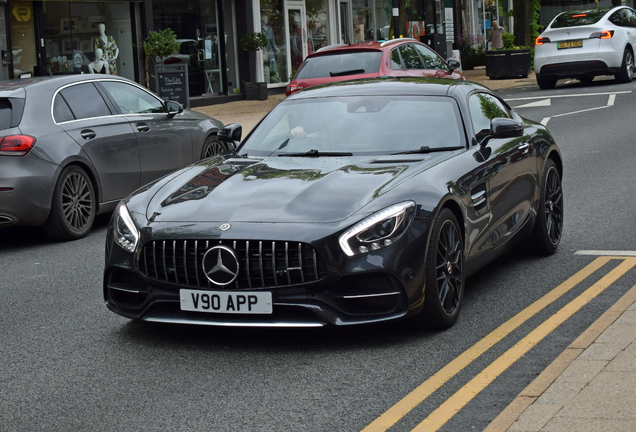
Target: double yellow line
(456, 402)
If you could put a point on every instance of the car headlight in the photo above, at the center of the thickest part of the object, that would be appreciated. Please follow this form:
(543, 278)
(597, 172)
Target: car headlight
(125, 231)
(378, 231)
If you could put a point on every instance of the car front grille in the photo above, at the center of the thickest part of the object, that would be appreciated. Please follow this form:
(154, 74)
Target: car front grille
(262, 264)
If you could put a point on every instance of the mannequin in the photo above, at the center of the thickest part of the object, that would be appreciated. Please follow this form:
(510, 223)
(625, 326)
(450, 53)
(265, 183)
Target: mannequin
(271, 50)
(109, 48)
(99, 66)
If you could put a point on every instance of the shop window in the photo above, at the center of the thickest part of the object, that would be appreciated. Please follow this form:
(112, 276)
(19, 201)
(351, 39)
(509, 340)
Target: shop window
(317, 24)
(75, 31)
(275, 54)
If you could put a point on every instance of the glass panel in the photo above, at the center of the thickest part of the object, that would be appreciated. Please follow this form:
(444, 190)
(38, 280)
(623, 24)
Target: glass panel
(410, 57)
(133, 100)
(85, 101)
(383, 14)
(61, 111)
(345, 23)
(317, 24)
(196, 25)
(73, 33)
(275, 55)
(295, 39)
(396, 62)
(362, 20)
(431, 59)
(22, 39)
(341, 64)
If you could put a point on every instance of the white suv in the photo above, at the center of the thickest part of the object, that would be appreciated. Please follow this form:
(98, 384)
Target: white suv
(587, 43)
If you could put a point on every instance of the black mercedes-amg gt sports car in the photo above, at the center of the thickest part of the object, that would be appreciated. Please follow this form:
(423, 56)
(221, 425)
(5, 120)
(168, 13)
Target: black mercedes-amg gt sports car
(349, 203)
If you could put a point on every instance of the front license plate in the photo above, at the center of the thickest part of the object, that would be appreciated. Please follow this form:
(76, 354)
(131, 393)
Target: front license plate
(570, 44)
(226, 302)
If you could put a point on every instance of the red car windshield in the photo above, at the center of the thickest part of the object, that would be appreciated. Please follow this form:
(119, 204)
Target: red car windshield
(340, 64)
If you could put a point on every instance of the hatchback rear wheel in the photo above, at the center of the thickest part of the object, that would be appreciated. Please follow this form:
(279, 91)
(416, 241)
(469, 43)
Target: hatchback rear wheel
(73, 207)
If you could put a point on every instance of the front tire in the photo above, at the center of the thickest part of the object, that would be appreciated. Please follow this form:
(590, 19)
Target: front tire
(212, 147)
(627, 69)
(547, 231)
(73, 207)
(444, 289)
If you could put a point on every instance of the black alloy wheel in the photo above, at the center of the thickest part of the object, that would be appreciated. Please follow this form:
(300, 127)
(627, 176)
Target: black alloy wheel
(73, 207)
(212, 147)
(444, 289)
(549, 226)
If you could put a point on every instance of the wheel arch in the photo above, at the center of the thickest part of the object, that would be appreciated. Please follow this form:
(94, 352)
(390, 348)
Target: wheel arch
(92, 175)
(556, 158)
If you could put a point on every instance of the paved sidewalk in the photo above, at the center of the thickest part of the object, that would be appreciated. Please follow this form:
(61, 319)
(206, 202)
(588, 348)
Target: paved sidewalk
(591, 386)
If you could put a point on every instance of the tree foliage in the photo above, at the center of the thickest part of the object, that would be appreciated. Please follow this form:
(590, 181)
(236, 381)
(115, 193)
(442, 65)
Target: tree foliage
(160, 44)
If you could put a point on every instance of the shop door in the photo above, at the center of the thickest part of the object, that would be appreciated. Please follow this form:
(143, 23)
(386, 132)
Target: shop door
(297, 37)
(210, 50)
(344, 21)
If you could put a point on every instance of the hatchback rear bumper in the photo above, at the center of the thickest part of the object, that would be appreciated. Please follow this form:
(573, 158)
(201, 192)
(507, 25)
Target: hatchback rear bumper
(577, 69)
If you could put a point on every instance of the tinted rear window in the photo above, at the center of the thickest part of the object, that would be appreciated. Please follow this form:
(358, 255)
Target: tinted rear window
(579, 18)
(341, 64)
(10, 112)
(85, 101)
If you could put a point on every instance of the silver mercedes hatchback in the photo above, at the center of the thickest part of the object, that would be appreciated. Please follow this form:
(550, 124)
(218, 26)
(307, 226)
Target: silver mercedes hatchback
(71, 147)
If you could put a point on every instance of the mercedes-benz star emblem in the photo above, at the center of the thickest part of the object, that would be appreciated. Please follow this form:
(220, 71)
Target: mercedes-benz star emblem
(225, 227)
(221, 266)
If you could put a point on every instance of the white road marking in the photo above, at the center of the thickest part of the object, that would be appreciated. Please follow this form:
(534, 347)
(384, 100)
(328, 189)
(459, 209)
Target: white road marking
(577, 112)
(606, 253)
(545, 121)
(564, 96)
(540, 103)
(610, 101)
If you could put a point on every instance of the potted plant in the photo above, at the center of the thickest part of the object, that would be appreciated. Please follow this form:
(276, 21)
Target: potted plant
(472, 53)
(159, 44)
(510, 62)
(253, 42)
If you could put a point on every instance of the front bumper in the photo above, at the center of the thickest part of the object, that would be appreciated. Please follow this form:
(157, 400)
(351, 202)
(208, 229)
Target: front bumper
(374, 287)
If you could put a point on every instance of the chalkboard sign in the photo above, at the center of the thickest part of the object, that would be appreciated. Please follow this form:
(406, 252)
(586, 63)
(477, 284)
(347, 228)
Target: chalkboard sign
(172, 83)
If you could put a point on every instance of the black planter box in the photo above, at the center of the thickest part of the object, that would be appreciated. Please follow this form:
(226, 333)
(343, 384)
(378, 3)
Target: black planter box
(256, 91)
(508, 63)
(469, 63)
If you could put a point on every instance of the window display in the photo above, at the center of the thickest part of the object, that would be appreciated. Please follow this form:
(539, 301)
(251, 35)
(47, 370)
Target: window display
(275, 55)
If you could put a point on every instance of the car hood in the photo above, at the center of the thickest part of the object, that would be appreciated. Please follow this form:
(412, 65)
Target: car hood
(326, 189)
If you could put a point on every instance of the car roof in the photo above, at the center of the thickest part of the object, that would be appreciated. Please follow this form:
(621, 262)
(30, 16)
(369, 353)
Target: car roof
(361, 46)
(53, 82)
(388, 86)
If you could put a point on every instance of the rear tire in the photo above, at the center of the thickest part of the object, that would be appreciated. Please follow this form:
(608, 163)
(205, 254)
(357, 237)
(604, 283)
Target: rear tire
(212, 147)
(546, 235)
(627, 69)
(546, 83)
(73, 207)
(444, 289)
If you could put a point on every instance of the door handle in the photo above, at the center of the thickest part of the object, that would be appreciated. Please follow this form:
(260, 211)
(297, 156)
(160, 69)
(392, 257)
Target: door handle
(524, 147)
(478, 198)
(88, 134)
(143, 127)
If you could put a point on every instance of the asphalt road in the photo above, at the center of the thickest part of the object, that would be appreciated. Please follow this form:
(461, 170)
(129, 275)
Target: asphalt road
(67, 363)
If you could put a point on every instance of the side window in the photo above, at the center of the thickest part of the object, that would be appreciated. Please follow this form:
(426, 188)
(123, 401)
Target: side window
(396, 63)
(410, 57)
(631, 15)
(431, 59)
(483, 108)
(620, 18)
(85, 101)
(131, 99)
(61, 111)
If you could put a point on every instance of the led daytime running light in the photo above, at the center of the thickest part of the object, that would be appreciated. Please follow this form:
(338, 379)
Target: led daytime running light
(123, 215)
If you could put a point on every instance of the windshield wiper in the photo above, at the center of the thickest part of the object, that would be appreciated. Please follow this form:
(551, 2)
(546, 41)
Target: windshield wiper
(427, 149)
(315, 153)
(347, 72)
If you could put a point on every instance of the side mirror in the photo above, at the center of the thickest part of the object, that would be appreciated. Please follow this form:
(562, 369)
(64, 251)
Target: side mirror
(505, 128)
(453, 65)
(173, 108)
(231, 133)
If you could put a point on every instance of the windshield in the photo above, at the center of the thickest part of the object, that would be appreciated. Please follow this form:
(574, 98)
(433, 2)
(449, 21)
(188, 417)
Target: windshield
(579, 18)
(341, 64)
(357, 125)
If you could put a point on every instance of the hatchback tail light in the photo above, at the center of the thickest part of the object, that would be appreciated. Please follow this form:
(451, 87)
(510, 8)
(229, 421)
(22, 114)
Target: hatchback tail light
(16, 145)
(292, 88)
(541, 40)
(605, 34)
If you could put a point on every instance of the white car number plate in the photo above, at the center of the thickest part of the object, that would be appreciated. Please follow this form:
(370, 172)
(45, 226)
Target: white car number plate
(226, 302)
